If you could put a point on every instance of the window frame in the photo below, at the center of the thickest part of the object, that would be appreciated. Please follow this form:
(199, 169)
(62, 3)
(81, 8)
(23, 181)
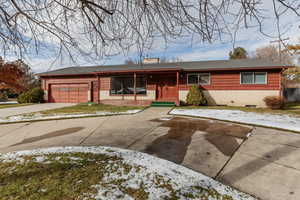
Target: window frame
(198, 82)
(126, 76)
(253, 78)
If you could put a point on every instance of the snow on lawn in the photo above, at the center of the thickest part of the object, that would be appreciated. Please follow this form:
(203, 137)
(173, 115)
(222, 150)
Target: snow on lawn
(39, 116)
(125, 174)
(270, 120)
(8, 102)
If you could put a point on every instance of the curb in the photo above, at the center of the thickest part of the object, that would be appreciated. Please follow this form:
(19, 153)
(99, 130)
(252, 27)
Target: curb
(64, 118)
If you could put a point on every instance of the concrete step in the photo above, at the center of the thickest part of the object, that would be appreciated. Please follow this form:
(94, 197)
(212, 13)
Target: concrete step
(162, 104)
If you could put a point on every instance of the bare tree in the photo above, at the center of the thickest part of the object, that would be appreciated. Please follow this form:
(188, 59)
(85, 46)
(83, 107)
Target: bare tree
(272, 53)
(101, 28)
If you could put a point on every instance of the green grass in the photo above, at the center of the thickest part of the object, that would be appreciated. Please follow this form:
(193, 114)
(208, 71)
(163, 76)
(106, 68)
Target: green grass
(90, 108)
(291, 109)
(14, 105)
(59, 179)
(78, 175)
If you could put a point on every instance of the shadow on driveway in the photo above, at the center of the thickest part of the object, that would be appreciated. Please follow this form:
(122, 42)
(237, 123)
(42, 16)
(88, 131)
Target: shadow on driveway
(174, 145)
(62, 132)
(251, 167)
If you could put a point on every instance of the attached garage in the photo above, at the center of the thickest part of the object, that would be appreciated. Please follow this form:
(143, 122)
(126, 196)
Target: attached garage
(69, 93)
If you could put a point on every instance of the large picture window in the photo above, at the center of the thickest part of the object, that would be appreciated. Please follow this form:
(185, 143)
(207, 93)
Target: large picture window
(125, 85)
(253, 77)
(198, 79)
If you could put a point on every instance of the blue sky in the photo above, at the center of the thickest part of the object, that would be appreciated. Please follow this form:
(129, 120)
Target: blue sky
(182, 48)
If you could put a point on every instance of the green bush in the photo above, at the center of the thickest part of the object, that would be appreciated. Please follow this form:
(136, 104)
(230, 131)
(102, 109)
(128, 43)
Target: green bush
(35, 95)
(3, 96)
(195, 96)
(23, 98)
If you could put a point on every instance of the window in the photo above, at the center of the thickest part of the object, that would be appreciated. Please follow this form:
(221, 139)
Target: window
(141, 85)
(125, 85)
(253, 77)
(198, 79)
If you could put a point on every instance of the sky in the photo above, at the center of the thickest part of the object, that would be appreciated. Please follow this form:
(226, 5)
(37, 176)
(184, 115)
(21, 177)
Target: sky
(182, 49)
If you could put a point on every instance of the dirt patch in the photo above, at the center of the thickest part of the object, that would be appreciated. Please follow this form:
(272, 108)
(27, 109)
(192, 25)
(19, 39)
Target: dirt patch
(173, 146)
(61, 132)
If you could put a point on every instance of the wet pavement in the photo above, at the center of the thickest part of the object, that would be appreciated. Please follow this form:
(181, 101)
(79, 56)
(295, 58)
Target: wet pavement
(174, 145)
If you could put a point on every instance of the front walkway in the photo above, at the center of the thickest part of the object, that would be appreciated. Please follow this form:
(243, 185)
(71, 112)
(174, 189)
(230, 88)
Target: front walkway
(5, 112)
(265, 165)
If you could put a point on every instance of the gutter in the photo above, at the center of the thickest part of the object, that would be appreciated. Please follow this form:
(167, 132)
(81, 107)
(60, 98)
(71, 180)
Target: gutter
(165, 69)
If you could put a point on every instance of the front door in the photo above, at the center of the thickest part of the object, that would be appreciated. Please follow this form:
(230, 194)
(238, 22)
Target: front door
(166, 88)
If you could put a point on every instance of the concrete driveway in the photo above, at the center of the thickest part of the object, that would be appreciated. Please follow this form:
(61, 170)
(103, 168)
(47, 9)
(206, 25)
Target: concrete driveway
(5, 112)
(265, 165)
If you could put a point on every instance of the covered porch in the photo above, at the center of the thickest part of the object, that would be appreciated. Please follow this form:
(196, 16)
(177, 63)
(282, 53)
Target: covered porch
(138, 87)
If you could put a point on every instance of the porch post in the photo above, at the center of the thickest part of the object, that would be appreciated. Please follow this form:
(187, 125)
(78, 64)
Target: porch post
(134, 85)
(90, 91)
(98, 89)
(177, 87)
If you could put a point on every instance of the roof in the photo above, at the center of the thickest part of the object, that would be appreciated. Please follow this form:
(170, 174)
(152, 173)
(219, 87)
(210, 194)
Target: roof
(185, 66)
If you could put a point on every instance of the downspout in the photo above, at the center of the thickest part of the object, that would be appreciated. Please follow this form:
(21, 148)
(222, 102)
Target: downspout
(134, 86)
(177, 87)
(281, 83)
(98, 89)
(46, 89)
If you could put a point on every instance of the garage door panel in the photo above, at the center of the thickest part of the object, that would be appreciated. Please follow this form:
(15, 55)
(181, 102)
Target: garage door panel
(69, 93)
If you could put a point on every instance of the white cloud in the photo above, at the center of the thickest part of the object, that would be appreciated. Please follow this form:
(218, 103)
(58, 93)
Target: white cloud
(205, 55)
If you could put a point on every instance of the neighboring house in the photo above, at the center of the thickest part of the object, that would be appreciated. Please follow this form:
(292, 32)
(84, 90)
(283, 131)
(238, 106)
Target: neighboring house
(225, 82)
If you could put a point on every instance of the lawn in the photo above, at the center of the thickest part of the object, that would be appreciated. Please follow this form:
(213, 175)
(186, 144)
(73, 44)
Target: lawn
(77, 111)
(90, 108)
(290, 108)
(13, 105)
(103, 173)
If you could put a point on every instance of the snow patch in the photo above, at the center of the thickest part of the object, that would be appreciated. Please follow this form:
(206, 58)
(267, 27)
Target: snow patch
(8, 102)
(145, 169)
(39, 116)
(165, 118)
(287, 122)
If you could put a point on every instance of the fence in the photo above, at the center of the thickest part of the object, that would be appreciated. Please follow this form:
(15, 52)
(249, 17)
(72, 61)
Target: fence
(292, 94)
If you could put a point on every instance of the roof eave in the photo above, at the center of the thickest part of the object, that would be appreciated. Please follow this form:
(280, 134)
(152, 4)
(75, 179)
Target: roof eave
(47, 75)
(239, 68)
(138, 70)
(165, 70)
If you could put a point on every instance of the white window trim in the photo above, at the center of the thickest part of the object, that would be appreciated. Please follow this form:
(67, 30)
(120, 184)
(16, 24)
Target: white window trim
(253, 81)
(198, 74)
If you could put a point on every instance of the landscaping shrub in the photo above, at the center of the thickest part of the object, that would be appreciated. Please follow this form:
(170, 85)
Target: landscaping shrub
(195, 96)
(274, 102)
(23, 98)
(3, 96)
(35, 95)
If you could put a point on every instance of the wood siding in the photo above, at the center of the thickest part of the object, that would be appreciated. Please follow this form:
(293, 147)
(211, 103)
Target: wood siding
(219, 80)
(67, 79)
(230, 80)
(105, 83)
